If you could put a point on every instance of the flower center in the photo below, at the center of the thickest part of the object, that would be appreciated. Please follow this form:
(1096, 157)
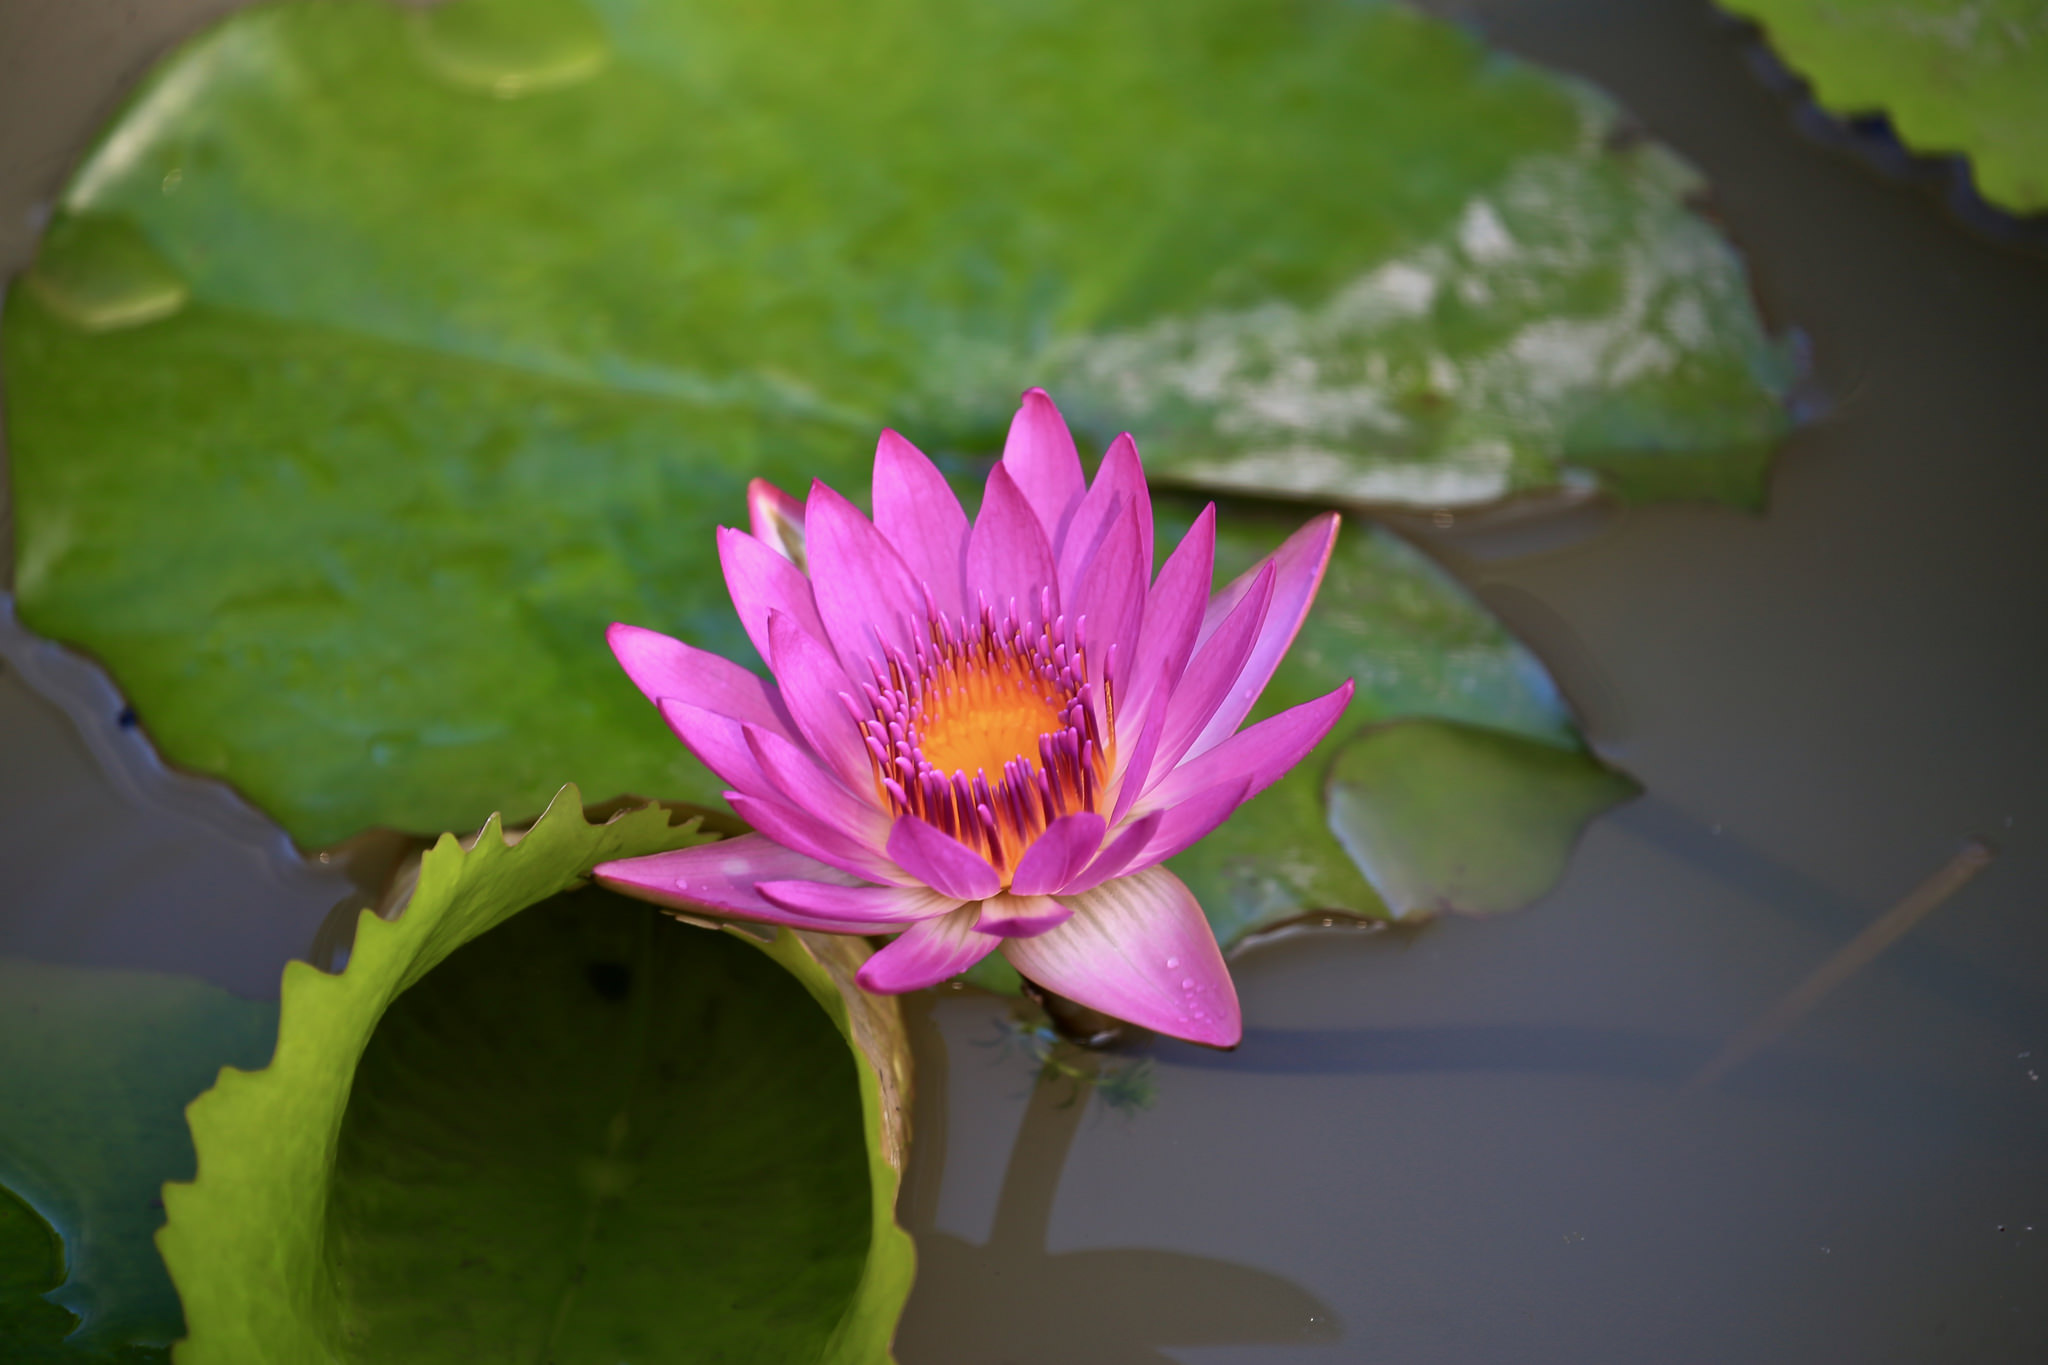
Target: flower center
(990, 730)
(984, 717)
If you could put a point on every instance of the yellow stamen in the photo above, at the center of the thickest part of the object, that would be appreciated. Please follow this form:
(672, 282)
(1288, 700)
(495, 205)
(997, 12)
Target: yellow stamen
(985, 714)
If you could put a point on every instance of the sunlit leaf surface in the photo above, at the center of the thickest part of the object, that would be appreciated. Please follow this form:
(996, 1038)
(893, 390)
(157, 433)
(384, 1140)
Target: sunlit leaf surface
(1966, 77)
(530, 1122)
(381, 357)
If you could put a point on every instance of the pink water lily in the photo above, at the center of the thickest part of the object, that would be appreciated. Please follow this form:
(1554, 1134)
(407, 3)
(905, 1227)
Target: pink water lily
(990, 735)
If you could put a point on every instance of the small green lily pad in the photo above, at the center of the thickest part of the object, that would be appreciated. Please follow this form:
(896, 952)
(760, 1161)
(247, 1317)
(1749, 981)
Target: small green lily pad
(533, 1120)
(1418, 645)
(1966, 77)
(1447, 817)
(491, 311)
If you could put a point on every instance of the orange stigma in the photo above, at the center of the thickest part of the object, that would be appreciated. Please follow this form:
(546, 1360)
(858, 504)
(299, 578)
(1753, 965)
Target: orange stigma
(990, 731)
(980, 714)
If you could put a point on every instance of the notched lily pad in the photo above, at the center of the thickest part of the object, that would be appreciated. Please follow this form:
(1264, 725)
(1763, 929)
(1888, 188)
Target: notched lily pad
(1953, 76)
(532, 1120)
(461, 378)
(1441, 816)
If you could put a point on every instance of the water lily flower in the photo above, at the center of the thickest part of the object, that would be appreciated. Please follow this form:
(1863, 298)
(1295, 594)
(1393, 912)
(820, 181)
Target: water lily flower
(991, 735)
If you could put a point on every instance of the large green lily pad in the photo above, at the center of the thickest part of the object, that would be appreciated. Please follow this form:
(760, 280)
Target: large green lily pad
(96, 1067)
(536, 1122)
(1953, 76)
(1496, 801)
(381, 357)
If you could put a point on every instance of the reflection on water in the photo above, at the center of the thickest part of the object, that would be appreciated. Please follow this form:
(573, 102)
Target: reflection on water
(1012, 1300)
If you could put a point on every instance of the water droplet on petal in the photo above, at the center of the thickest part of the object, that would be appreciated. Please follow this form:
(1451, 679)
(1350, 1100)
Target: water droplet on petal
(511, 48)
(1187, 983)
(1172, 962)
(100, 274)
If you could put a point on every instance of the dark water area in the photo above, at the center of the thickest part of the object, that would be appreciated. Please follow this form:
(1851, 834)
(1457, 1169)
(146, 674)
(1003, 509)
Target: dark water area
(1469, 1140)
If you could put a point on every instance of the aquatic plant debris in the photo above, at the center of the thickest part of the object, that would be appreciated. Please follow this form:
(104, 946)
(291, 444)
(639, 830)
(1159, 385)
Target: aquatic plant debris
(531, 1120)
(455, 332)
(989, 736)
(1953, 77)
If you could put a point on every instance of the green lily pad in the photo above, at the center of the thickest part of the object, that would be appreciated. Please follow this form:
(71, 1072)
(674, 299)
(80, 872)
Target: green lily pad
(31, 1265)
(532, 1120)
(1441, 816)
(96, 1067)
(33, 1330)
(1495, 794)
(490, 311)
(1965, 77)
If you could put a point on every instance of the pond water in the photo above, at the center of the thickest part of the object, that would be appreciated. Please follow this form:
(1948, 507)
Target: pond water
(1466, 1140)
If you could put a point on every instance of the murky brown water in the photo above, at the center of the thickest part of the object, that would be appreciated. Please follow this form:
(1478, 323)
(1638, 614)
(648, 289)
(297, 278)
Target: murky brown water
(1470, 1142)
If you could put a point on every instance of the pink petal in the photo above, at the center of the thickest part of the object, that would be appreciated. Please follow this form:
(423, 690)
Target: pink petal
(1109, 599)
(1214, 671)
(1120, 853)
(1176, 828)
(762, 581)
(927, 953)
(867, 905)
(1021, 916)
(940, 861)
(1058, 855)
(1040, 456)
(719, 742)
(814, 838)
(1120, 481)
(777, 520)
(1261, 755)
(1298, 571)
(800, 782)
(663, 667)
(1133, 765)
(916, 509)
(725, 878)
(869, 600)
(1138, 948)
(1009, 558)
(813, 690)
(1173, 616)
